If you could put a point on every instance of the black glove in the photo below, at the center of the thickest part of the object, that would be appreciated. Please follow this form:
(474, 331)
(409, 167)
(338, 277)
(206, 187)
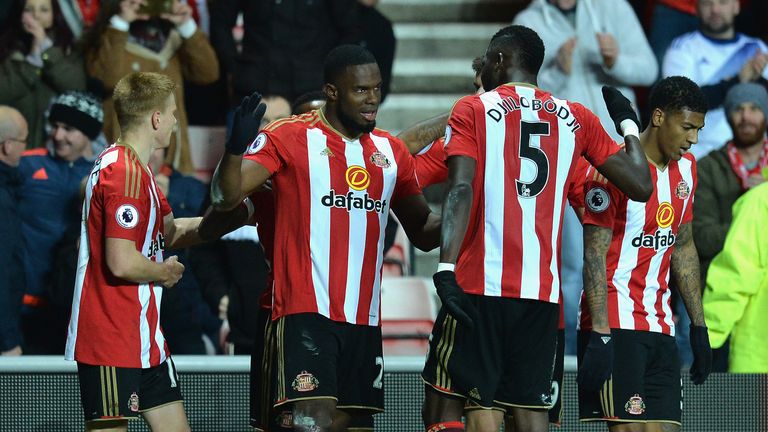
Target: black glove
(702, 354)
(454, 299)
(246, 121)
(597, 364)
(619, 107)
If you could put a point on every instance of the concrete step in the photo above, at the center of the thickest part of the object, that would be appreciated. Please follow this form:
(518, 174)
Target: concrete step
(440, 76)
(443, 40)
(400, 111)
(451, 10)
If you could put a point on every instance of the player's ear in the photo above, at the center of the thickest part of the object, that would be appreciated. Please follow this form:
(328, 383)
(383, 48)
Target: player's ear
(657, 117)
(331, 92)
(156, 120)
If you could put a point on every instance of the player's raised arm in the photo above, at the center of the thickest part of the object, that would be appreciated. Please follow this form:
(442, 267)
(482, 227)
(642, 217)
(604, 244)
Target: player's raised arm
(628, 170)
(229, 185)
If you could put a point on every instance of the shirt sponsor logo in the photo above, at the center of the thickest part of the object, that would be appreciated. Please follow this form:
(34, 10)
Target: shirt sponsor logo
(156, 245)
(358, 177)
(350, 201)
(597, 200)
(665, 215)
(658, 240)
(127, 216)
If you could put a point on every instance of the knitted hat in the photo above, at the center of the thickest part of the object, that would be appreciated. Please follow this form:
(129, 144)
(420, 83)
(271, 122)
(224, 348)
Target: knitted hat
(746, 92)
(80, 110)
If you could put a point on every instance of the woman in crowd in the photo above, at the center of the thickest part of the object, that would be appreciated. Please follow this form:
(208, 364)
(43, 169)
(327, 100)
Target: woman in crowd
(38, 60)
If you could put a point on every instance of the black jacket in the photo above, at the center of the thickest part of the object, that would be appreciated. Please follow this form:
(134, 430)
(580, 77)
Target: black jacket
(284, 42)
(11, 250)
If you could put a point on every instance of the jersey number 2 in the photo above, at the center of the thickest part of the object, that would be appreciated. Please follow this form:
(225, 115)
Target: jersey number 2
(535, 155)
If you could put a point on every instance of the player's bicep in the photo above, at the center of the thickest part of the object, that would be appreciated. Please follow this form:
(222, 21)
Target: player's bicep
(169, 226)
(253, 175)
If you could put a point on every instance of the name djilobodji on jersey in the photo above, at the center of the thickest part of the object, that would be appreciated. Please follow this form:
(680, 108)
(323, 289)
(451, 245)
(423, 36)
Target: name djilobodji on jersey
(509, 104)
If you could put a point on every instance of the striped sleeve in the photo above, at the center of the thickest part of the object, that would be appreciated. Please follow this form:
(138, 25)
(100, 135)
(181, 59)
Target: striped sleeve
(460, 139)
(591, 137)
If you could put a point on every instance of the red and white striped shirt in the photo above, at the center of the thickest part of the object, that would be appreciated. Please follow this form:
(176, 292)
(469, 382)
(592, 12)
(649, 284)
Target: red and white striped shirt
(332, 199)
(115, 322)
(527, 144)
(644, 235)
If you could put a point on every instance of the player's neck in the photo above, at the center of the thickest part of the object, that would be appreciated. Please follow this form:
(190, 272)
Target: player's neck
(650, 143)
(139, 142)
(332, 119)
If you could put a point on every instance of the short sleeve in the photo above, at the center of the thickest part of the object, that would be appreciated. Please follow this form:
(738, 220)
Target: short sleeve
(602, 200)
(577, 181)
(406, 176)
(125, 203)
(267, 150)
(460, 138)
(688, 214)
(595, 143)
(430, 164)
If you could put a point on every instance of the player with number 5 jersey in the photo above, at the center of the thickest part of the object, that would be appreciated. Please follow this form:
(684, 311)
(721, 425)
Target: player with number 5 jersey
(511, 154)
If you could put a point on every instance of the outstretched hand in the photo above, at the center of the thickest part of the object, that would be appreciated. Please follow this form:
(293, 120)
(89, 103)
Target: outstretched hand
(245, 124)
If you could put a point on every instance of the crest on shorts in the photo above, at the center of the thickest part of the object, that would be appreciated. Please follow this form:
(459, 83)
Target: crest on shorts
(305, 382)
(597, 199)
(635, 405)
(285, 419)
(127, 216)
(380, 160)
(682, 191)
(133, 402)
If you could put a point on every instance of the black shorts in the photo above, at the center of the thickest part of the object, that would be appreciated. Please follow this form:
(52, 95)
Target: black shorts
(645, 385)
(261, 390)
(316, 358)
(109, 393)
(508, 361)
(556, 412)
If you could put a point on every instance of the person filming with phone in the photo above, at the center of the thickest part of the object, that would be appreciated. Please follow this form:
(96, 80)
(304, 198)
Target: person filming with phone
(150, 36)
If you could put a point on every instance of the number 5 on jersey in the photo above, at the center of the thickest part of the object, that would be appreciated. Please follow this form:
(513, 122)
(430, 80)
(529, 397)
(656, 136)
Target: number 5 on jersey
(535, 155)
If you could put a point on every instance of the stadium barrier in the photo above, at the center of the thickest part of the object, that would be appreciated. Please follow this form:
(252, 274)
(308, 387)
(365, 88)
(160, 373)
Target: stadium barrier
(41, 394)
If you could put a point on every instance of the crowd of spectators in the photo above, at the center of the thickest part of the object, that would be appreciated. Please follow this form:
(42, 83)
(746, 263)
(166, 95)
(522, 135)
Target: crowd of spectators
(60, 60)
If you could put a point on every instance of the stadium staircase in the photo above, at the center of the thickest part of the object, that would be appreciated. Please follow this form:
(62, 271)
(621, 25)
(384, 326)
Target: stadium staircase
(436, 42)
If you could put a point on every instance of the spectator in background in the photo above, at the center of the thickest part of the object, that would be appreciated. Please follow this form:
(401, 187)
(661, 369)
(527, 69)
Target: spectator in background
(186, 318)
(716, 57)
(583, 53)
(13, 138)
(670, 19)
(727, 173)
(278, 108)
(123, 41)
(51, 205)
(736, 295)
(307, 102)
(80, 15)
(38, 60)
(379, 38)
(284, 43)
